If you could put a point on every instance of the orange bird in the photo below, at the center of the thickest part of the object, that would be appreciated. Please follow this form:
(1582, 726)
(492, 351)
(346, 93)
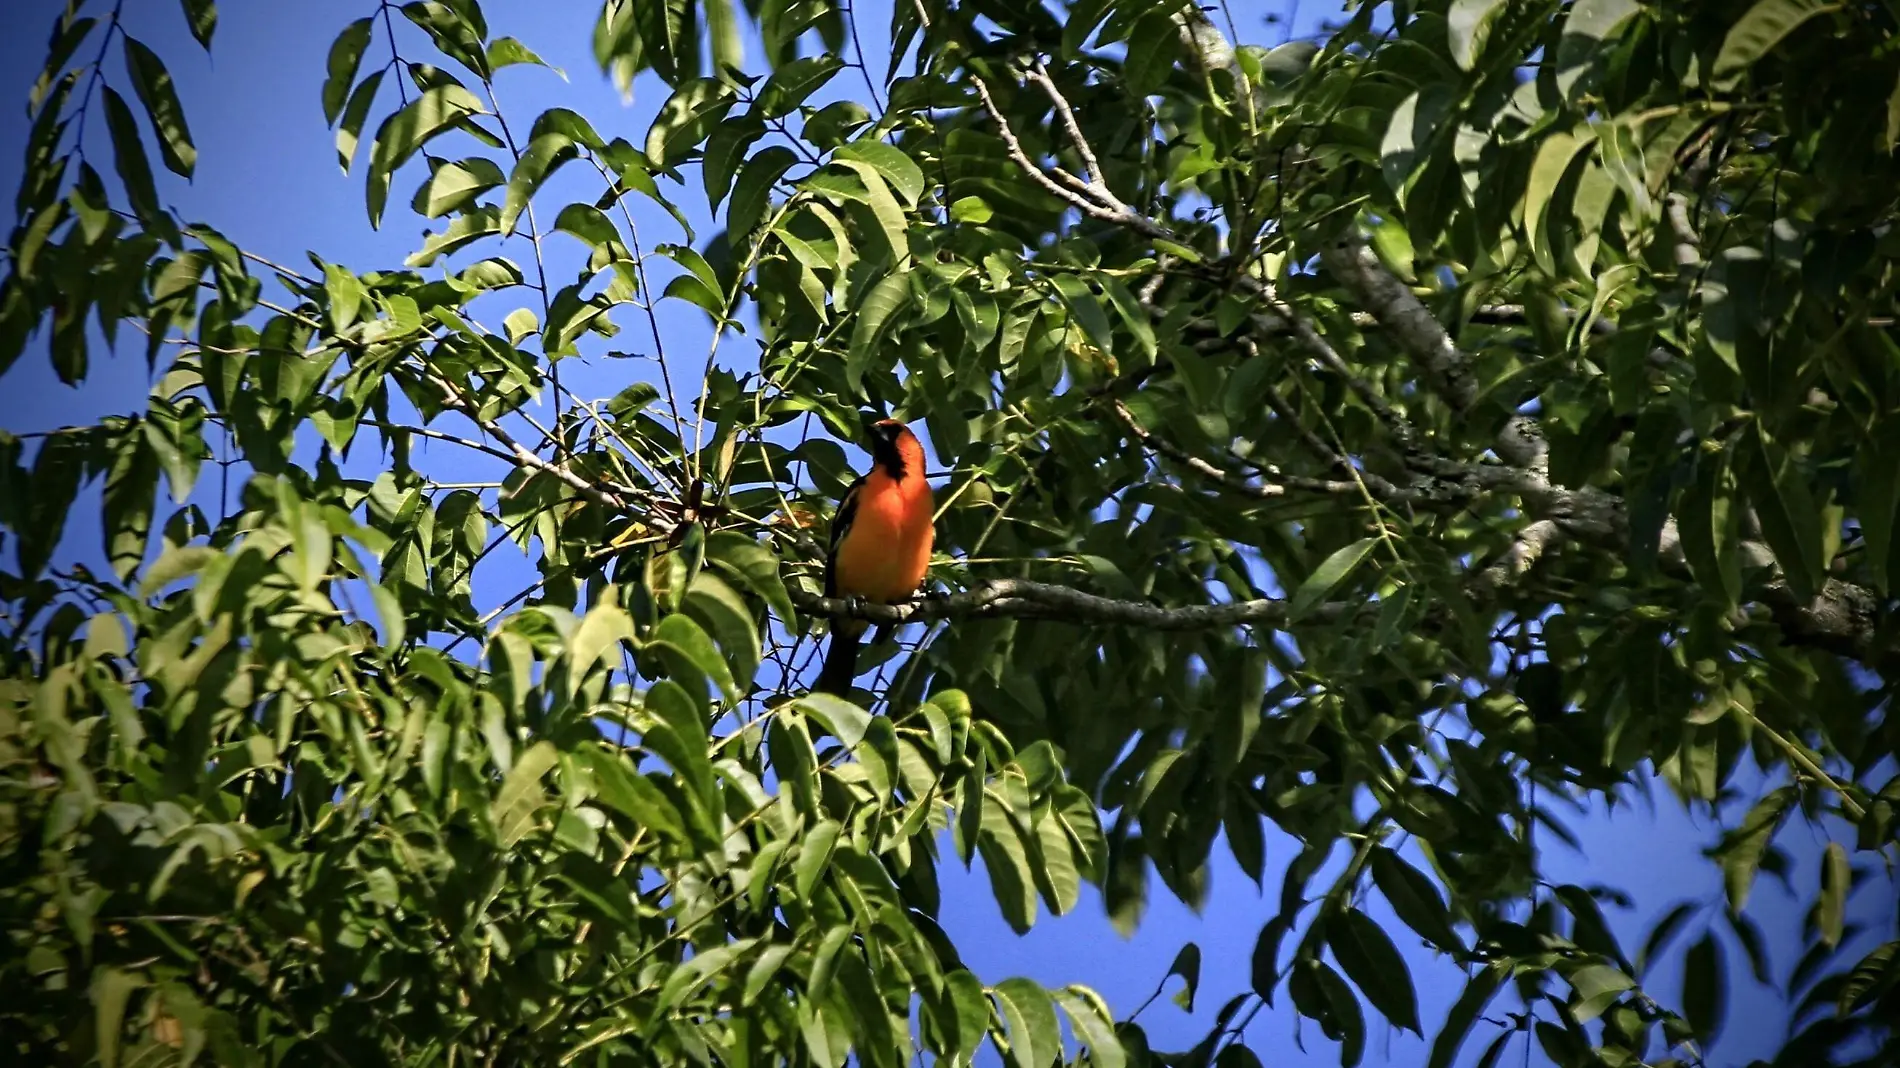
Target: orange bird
(880, 542)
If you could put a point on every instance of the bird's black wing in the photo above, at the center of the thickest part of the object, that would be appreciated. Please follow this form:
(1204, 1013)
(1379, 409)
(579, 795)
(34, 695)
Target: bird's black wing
(840, 525)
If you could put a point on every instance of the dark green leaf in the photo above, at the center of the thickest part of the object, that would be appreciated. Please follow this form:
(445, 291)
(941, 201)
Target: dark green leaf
(1741, 849)
(1327, 577)
(1375, 966)
(1187, 965)
(154, 86)
(1790, 519)
(1836, 878)
(1704, 986)
(202, 15)
(1756, 34)
(128, 150)
(1464, 1012)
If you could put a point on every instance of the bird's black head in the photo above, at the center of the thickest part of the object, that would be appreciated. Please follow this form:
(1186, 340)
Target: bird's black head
(885, 436)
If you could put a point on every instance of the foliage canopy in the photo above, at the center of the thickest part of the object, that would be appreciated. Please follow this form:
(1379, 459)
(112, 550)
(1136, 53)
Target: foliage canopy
(1397, 438)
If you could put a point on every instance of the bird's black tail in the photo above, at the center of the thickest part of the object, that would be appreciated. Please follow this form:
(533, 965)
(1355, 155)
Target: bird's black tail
(841, 663)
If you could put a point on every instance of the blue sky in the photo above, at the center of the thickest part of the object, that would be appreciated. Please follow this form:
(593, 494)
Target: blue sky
(267, 177)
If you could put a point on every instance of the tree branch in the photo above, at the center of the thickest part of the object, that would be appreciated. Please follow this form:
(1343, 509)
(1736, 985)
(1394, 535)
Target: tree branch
(1024, 599)
(1040, 75)
(1282, 483)
(1096, 204)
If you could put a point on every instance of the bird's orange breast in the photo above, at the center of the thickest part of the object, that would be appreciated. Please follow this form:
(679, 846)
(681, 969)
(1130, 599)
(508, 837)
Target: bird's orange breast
(884, 555)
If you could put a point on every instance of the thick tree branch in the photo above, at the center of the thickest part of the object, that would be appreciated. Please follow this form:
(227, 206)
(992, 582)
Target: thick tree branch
(1687, 250)
(1523, 554)
(1023, 599)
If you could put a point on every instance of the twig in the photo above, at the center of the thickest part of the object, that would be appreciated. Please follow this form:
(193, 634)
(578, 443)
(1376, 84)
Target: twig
(1024, 599)
(1265, 491)
(1114, 212)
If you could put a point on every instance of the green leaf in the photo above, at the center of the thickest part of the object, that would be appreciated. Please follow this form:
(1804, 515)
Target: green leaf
(874, 312)
(1412, 895)
(438, 109)
(680, 738)
(752, 193)
(457, 184)
(521, 798)
(155, 90)
(872, 191)
(1663, 932)
(1374, 964)
(728, 619)
(1874, 973)
(754, 565)
(346, 295)
(1346, 1016)
(685, 119)
(600, 633)
(1327, 577)
(814, 853)
(845, 721)
(544, 155)
(389, 612)
(1409, 136)
(968, 1015)
(1790, 521)
(593, 228)
(111, 989)
(310, 544)
(1597, 986)
(1469, 25)
(1556, 156)
(1187, 965)
(971, 209)
(1878, 502)
(202, 17)
(1756, 34)
(509, 52)
(1590, 930)
(1263, 967)
(128, 152)
(1006, 859)
(790, 85)
(126, 508)
(891, 163)
(1707, 520)
(346, 54)
(1086, 310)
(763, 970)
(631, 794)
(1704, 986)
(794, 761)
(726, 149)
(354, 115)
(1836, 878)
(1035, 1035)
(1093, 1024)
(685, 979)
(1464, 1012)
(679, 635)
(469, 227)
(1147, 68)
